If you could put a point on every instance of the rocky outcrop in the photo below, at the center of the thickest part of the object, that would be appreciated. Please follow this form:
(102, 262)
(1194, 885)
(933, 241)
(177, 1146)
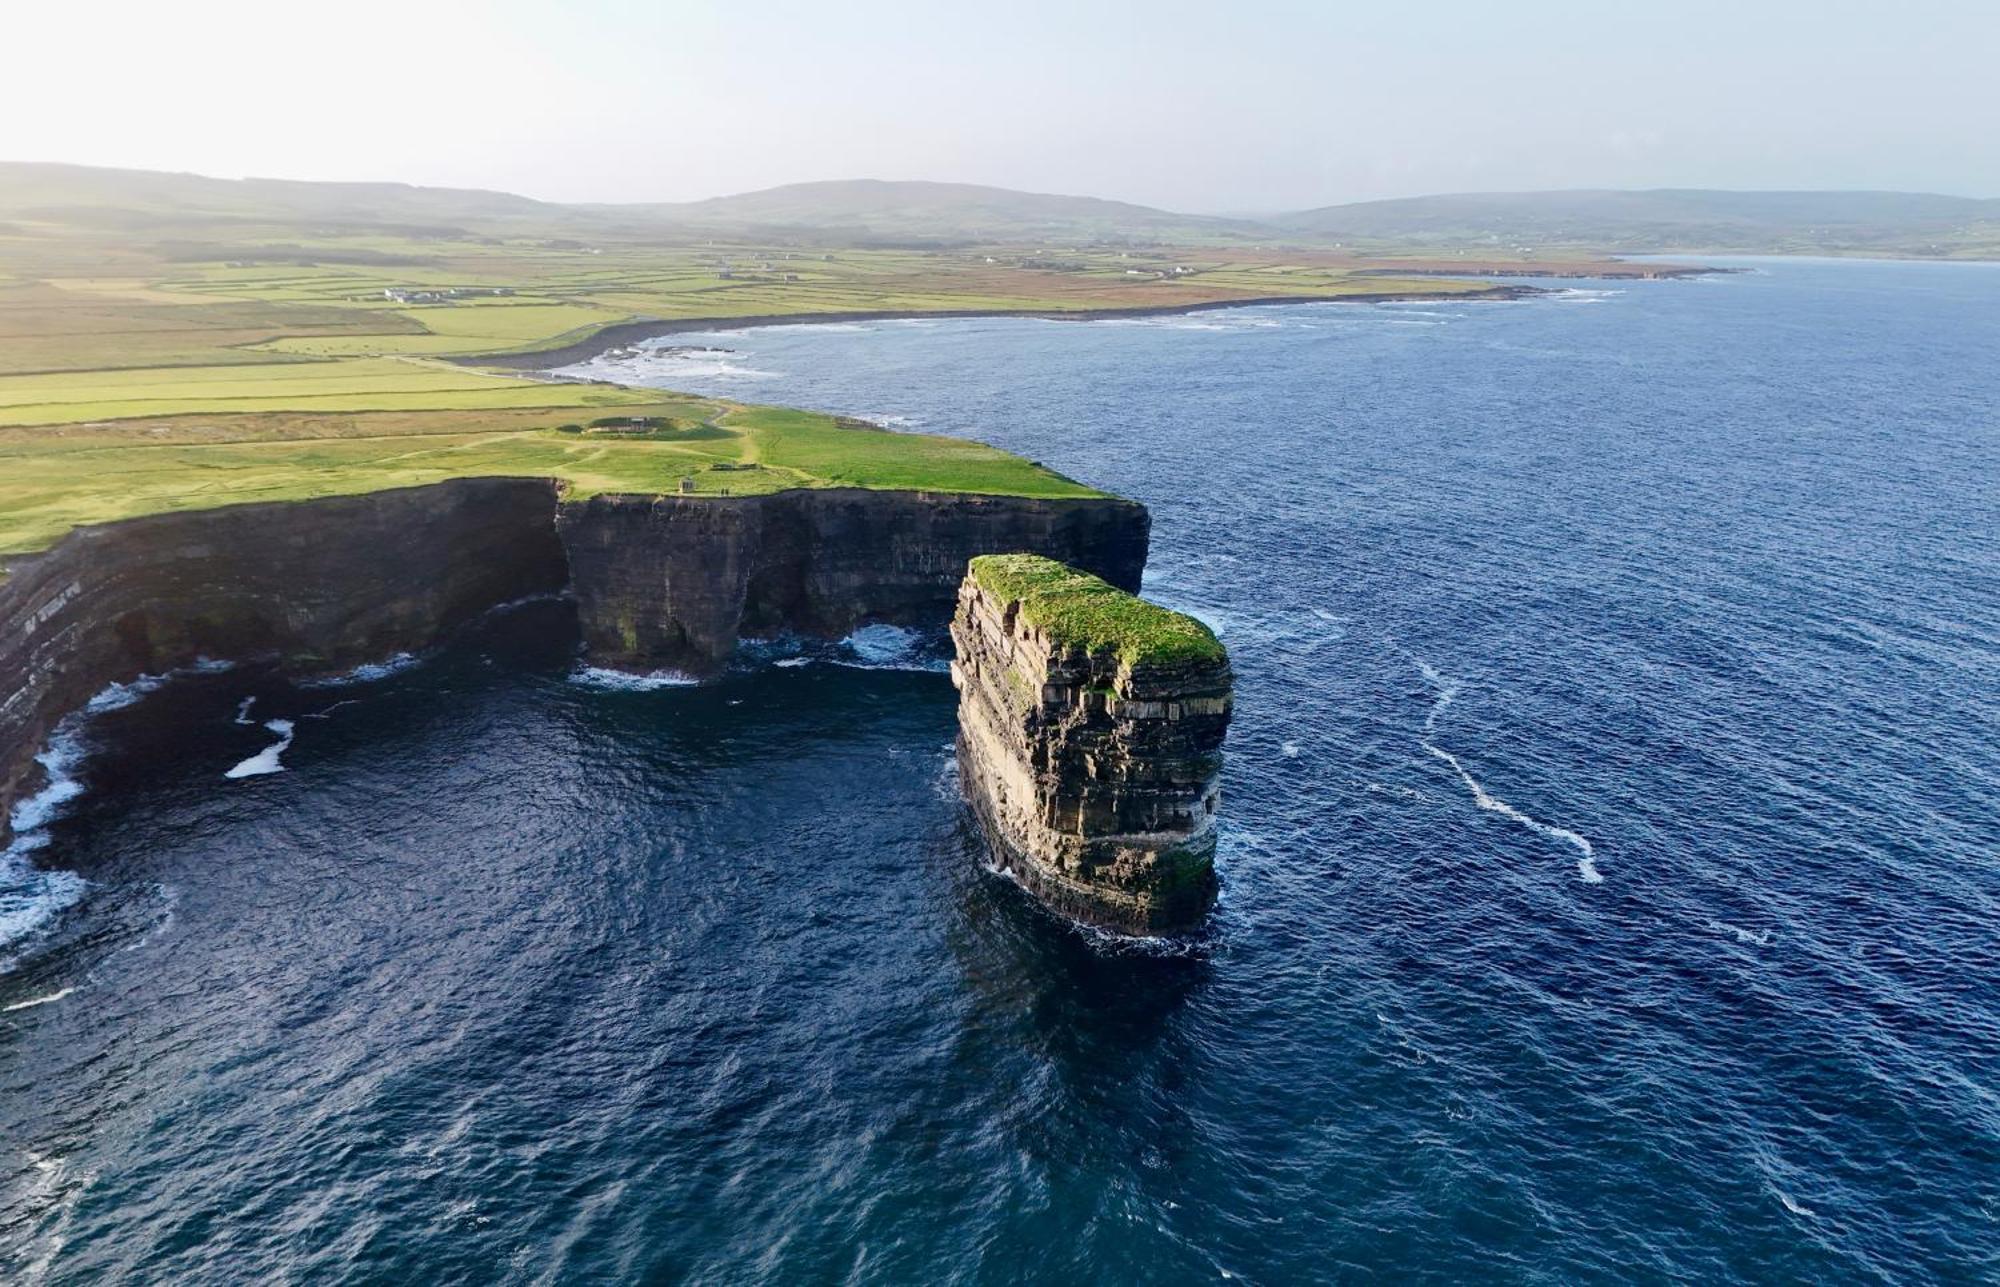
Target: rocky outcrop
(325, 585)
(1090, 742)
(321, 586)
(674, 581)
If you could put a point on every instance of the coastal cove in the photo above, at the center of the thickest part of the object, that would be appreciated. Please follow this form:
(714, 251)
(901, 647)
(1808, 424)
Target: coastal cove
(501, 965)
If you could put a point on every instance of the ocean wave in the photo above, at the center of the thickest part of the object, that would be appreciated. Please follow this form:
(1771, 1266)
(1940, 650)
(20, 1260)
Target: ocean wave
(886, 647)
(32, 1002)
(1586, 863)
(878, 646)
(627, 681)
(31, 898)
(367, 672)
(267, 760)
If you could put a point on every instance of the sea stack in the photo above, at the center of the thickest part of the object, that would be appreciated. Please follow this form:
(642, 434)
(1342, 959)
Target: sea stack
(1090, 729)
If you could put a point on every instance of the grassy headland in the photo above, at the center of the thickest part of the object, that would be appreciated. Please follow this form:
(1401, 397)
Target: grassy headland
(1089, 613)
(55, 478)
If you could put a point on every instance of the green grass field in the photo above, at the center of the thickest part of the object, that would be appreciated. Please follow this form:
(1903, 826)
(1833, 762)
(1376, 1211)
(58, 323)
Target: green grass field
(163, 360)
(52, 480)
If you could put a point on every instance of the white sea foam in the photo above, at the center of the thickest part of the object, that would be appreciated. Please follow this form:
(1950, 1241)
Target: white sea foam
(1447, 690)
(626, 681)
(32, 1002)
(793, 661)
(1586, 864)
(367, 672)
(31, 898)
(1290, 750)
(243, 711)
(266, 760)
(114, 697)
(717, 369)
(60, 760)
(1742, 935)
(886, 647)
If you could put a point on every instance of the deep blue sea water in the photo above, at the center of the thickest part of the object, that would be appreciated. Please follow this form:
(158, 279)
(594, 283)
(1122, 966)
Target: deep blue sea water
(1610, 855)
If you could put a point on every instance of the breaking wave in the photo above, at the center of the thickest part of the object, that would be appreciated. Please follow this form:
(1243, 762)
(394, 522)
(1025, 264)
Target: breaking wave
(267, 760)
(626, 681)
(367, 672)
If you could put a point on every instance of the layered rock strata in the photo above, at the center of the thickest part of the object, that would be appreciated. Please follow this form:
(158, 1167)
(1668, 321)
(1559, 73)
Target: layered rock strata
(321, 586)
(673, 581)
(325, 585)
(1090, 740)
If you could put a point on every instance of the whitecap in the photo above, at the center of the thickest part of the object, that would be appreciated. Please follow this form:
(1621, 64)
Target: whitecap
(1290, 750)
(1586, 865)
(793, 661)
(32, 1002)
(628, 681)
(1796, 1208)
(367, 672)
(266, 760)
(243, 711)
(1742, 935)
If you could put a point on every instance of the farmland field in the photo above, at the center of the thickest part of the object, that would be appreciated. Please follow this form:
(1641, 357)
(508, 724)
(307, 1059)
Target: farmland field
(156, 360)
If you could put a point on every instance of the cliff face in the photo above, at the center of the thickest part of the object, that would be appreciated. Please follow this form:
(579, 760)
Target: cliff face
(1095, 776)
(326, 585)
(323, 586)
(673, 581)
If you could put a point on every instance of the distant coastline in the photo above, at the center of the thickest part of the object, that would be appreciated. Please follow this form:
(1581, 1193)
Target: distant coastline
(620, 334)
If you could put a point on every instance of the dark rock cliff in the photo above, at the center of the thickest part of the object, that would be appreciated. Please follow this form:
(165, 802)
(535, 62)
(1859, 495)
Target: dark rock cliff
(326, 585)
(321, 586)
(673, 581)
(1095, 779)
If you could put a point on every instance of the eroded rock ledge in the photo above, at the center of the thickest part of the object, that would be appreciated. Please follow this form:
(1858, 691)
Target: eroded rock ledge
(659, 582)
(1090, 741)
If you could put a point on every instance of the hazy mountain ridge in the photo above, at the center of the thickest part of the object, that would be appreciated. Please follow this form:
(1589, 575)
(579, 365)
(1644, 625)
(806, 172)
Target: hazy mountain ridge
(862, 210)
(1663, 218)
(920, 208)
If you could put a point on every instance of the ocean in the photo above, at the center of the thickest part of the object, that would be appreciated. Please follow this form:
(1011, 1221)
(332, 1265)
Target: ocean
(1610, 857)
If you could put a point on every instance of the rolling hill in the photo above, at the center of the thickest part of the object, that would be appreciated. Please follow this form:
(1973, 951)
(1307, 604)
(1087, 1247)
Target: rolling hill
(1911, 223)
(915, 210)
(865, 212)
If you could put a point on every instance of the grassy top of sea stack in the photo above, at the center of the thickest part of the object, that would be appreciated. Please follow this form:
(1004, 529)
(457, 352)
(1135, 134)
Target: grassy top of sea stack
(1082, 611)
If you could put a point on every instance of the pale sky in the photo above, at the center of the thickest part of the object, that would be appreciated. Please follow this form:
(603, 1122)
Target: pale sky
(1254, 105)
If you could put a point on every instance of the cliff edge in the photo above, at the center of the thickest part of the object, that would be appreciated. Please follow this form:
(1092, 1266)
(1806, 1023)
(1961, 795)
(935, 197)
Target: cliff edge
(1090, 739)
(659, 581)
